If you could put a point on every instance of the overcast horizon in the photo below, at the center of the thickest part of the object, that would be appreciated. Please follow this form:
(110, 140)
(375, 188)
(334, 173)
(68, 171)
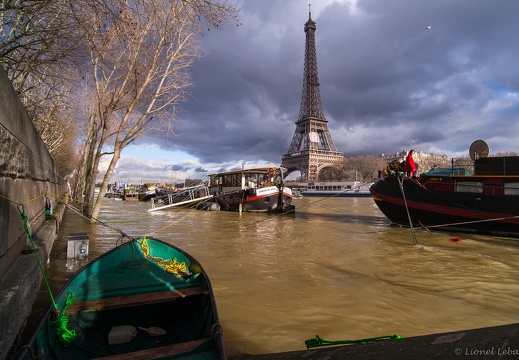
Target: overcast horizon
(433, 76)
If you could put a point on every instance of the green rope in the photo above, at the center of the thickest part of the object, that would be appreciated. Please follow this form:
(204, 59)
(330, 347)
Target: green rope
(64, 334)
(28, 231)
(317, 342)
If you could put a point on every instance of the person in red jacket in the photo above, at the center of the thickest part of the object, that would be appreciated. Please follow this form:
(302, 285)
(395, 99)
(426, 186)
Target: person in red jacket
(410, 165)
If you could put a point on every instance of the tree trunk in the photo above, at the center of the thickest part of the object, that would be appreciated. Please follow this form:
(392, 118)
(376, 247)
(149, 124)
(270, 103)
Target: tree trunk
(106, 179)
(79, 188)
(90, 169)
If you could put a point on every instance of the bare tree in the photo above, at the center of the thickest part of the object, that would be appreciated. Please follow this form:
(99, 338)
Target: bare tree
(38, 47)
(330, 174)
(140, 55)
(34, 35)
(54, 115)
(363, 168)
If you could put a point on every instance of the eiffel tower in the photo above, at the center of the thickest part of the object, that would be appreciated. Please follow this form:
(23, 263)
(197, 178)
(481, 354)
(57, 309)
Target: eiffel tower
(312, 148)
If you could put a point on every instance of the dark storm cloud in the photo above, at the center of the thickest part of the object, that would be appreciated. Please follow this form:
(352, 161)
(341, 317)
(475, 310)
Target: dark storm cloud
(387, 82)
(177, 168)
(183, 168)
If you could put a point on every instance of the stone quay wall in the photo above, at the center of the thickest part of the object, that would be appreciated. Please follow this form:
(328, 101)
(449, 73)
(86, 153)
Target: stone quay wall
(27, 177)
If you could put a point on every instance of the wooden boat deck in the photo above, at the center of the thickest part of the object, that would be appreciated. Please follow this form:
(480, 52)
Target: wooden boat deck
(133, 300)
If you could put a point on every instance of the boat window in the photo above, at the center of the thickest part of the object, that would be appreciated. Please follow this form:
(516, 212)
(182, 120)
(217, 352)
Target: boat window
(252, 180)
(512, 188)
(232, 180)
(469, 186)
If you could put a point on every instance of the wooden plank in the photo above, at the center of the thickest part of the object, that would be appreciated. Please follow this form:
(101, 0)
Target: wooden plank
(133, 300)
(158, 352)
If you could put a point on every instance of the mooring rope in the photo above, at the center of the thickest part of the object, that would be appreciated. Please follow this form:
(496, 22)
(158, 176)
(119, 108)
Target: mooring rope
(28, 201)
(318, 341)
(173, 223)
(170, 265)
(64, 334)
(311, 203)
(25, 219)
(401, 184)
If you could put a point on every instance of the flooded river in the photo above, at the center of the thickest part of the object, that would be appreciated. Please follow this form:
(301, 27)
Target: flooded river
(335, 269)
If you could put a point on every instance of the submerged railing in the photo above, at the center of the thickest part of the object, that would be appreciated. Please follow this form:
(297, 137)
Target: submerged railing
(184, 196)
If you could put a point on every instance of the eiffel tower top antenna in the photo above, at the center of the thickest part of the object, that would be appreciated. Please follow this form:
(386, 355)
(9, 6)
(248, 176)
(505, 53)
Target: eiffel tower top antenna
(311, 105)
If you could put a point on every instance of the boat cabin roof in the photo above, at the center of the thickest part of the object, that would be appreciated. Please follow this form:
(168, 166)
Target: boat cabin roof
(445, 172)
(261, 170)
(463, 174)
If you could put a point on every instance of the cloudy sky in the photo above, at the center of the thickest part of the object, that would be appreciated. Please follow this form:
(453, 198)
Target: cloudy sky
(388, 83)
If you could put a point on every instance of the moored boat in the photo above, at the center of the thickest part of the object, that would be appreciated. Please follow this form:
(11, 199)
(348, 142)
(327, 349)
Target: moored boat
(296, 194)
(486, 202)
(338, 188)
(193, 195)
(257, 189)
(145, 299)
(147, 192)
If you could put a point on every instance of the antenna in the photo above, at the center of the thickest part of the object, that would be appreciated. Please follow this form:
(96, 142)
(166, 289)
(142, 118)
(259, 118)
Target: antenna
(478, 150)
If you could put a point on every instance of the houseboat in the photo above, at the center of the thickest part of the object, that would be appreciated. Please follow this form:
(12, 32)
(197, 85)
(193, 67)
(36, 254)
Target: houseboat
(259, 189)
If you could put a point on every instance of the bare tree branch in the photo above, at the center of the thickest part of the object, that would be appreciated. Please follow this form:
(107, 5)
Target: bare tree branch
(140, 55)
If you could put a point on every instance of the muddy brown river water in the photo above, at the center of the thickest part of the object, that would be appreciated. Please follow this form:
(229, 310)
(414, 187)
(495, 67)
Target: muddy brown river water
(335, 269)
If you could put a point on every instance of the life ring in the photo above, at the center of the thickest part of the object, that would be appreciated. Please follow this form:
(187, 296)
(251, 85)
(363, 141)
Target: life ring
(271, 173)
